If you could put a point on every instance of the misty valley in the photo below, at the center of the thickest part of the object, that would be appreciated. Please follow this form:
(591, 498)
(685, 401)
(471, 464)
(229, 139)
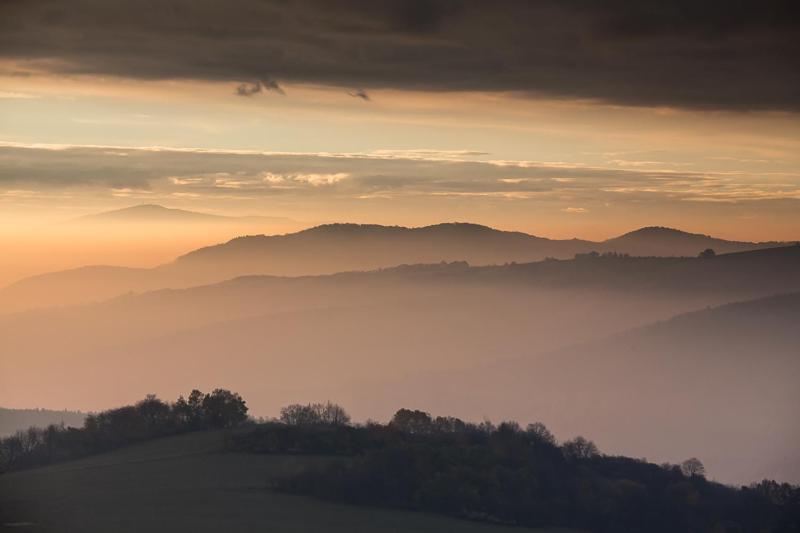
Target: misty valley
(658, 358)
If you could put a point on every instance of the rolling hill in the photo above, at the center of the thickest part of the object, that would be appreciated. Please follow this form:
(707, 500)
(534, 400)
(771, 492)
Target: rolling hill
(184, 484)
(661, 241)
(342, 247)
(335, 248)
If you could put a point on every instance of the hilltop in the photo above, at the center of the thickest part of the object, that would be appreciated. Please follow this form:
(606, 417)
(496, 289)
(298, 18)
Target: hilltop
(661, 241)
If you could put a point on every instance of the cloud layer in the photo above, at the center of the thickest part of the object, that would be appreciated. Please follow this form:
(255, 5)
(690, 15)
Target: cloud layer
(711, 55)
(185, 173)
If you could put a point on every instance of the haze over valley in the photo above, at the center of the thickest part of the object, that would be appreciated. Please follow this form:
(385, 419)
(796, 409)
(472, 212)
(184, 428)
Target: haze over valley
(567, 341)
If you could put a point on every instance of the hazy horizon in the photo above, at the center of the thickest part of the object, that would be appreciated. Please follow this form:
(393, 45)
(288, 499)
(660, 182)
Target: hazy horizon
(36, 247)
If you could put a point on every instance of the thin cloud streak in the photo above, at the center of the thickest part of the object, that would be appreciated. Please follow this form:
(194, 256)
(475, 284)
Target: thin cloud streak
(383, 174)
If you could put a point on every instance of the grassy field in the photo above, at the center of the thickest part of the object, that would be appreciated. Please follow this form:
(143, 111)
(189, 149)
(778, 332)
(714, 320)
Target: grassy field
(186, 483)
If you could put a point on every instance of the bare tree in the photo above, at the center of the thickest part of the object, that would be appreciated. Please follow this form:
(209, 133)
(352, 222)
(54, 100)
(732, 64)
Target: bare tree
(315, 414)
(693, 467)
(580, 448)
(334, 415)
(540, 432)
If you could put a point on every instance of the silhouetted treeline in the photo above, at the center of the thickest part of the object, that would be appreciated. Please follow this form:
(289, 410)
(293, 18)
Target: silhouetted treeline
(149, 418)
(506, 474)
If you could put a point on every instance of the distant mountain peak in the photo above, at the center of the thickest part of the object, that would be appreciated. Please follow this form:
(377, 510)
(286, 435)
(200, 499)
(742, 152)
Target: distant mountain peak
(665, 234)
(147, 207)
(153, 208)
(155, 213)
(147, 211)
(661, 230)
(664, 241)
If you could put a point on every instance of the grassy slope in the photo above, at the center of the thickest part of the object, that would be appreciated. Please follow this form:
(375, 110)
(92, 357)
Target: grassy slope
(185, 484)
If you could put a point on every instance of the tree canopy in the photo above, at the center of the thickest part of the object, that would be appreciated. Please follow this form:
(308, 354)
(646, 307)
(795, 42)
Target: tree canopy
(148, 418)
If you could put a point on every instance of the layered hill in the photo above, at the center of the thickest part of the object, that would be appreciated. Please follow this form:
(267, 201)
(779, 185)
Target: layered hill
(340, 247)
(431, 337)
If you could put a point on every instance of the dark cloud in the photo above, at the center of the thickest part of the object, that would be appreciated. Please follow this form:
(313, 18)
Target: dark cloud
(713, 54)
(249, 89)
(360, 93)
(423, 16)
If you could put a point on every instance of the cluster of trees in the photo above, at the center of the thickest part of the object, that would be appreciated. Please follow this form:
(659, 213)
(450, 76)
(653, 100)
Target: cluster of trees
(606, 255)
(708, 253)
(149, 418)
(314, 414)
(510, 475)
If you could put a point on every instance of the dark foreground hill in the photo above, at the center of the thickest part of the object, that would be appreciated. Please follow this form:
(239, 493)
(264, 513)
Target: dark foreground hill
(184, 484)
(497, 474)
(343, 247)
(251, 478)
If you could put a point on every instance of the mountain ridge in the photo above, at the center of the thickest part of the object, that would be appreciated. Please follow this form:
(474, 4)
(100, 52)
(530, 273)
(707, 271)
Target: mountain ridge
(331, 248)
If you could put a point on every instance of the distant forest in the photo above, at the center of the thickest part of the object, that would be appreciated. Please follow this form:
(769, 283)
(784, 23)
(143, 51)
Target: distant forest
(502, 473)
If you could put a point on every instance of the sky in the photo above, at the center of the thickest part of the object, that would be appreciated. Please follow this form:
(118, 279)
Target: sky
(562, 119)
